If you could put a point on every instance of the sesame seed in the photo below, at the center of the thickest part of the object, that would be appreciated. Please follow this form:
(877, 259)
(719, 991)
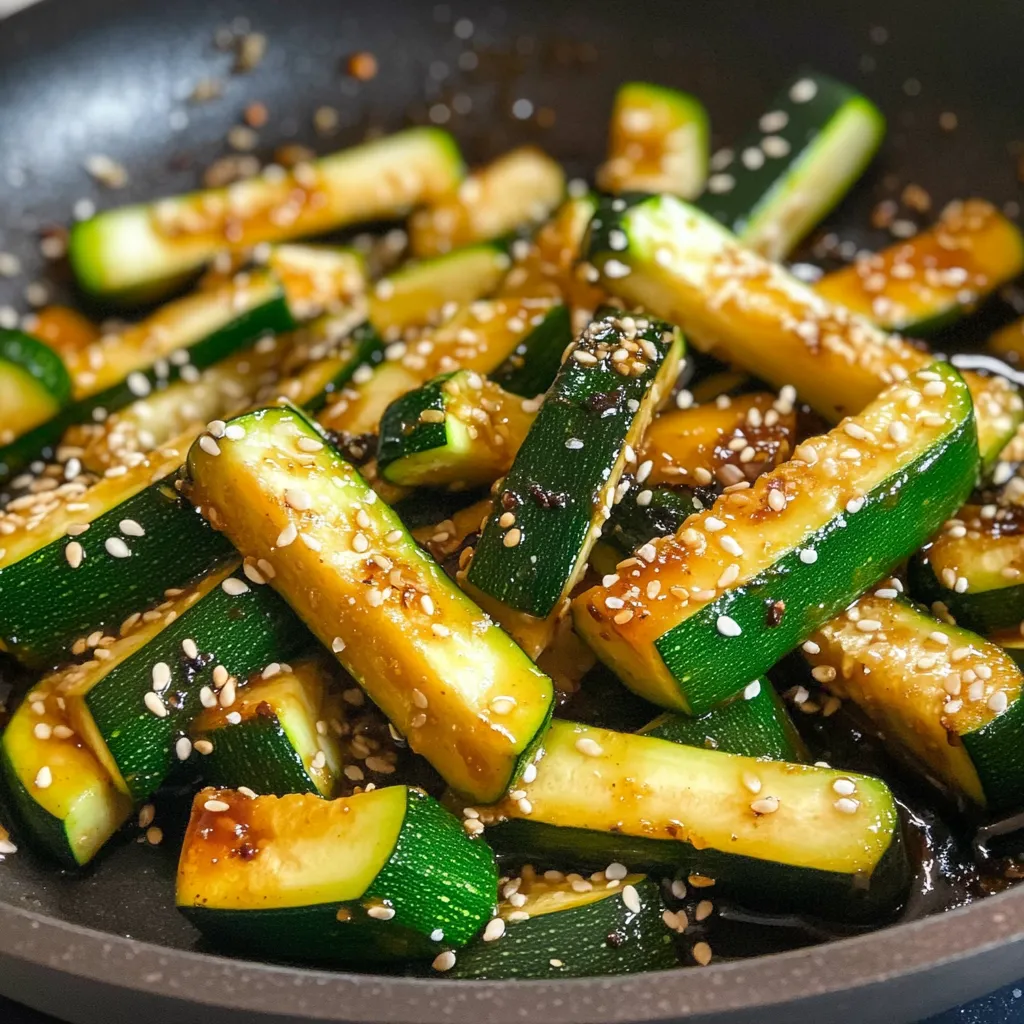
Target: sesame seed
(444, 961)
(204, 747)
(898, 432)
(702, 953)
(209, 445)
(808, 556)
(845, 805)
(998, 702)
(765, 805)
(494, 930)
(298, 499)
(116, 547)
(155, 705)
(227, 694)
(574, 444)
(381, 913)
(810, 647)
(42, 731)
(234, 587)
(161, 676)
(730, 545)
(337, 645)
(512, 538)
(728, 626)
(615, 871)
(803, 90)
(74, 553)
(207, 697)
(823, 673)
(287, 536)
(44, 778)
(713, 524)
(844, 787)
(752, 782)
(189, 647)
(588, 747)
(752, 690)
(216, 806)
(939, 638)
(130, 528)
(530, 773)
(503, 705)
(631, 898)
(183, 748)
(934, 387)
(648, 552)
(869, 625)
(524, 805)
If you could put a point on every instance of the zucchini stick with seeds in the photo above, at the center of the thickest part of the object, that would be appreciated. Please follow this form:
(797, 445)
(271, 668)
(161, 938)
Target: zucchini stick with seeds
(34, 384)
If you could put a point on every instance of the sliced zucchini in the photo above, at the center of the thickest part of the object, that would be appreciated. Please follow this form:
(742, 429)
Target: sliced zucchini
(421, 649)
(1008, 343)
(549, 263)
(378, 876)
(479, 337)
(683, 266)
(769, 833)
(561, 488)
(562, 932)
(318, 278)
(648, 512)
(531, 367)
(948, 696)
(458, 430)
(62, 583)
(694, 617)
(34, 384)
(720, 443)
(277, 739)
(519, 189)
(795, 164)
(65, 802)
(198, 330)
(928, 281)
(1012, 643)
(975, 566)
(446, 538)
(420, 291)
(140, 251)
(133, 707)
(64, 329)
(657, 142)
(755, 724)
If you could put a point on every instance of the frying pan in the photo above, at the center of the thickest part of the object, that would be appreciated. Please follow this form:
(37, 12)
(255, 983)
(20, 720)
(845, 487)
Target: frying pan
(79, 77)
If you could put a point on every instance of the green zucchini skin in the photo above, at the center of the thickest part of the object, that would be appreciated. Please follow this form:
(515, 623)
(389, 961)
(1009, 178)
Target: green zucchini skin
(435, 879)
(243, 633)
(45, 605)
(270, 317)
(749, 193)
(633, 524)
(600, 938)
(37, 360)
(532, 367)
(403, 434)
(984, 611)
(257, 754)
(908, 506)
(779, 888)
(367, 350)
(759, 726)
(572, 456)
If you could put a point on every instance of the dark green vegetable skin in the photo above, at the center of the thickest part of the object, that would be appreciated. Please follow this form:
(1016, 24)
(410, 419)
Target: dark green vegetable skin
(367, 348)
(771, 886)
(554, 489)
(403, 433)
(436, 878)
(533, 366)
(756, 727)
(272, 317)
(633, 525)
(256, 753)
(984, 611)
(38, 360)
(243, 633)
(45, 605)
(604, 937)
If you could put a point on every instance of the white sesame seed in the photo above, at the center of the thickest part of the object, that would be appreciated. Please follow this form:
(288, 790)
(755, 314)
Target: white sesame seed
(381, 913)
(823, 673)
(42, 731)
(287, 536)
(74, 553)
(752, 690)
(216, 806)
(869, 625)
(234, 587)
(713, 524)
(728, 626)
(751, 782)
(803, 90)
(155, 705)
(574, 444)
(648, 552)
(494, 930)
(524, 805)
(116, 547)
(730, 545)
(130, 528)
(589, 747)
(44, 778)
(209, 445)
(808, 556)
(631, 898)
(161, 676)
(998, 702)
(530, 773)
(765, 805)
(207, 697)
(189, 647)
(810, 647)
(183, 748)
(444, 961)
(298, 499)
(337, 645)
(844, 787)
(845, 805)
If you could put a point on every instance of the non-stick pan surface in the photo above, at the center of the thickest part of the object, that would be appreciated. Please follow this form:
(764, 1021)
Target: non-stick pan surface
(80, 77)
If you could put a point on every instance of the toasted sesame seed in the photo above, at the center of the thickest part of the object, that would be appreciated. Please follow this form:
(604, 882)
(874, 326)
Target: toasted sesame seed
(74, 553)
(512, 538)
(155, 705)
(631, 898)
(189, 647)
(204, 747)
(713, 524)
(494, 930)
(63, 732)
(765, 805)
(823, 673)
(444, 961)
(702, 953)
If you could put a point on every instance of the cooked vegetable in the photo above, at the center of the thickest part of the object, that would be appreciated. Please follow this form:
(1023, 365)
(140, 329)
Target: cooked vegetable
(927, 281)
(773, 834)
(574, 928)
(139, 252)
(658, 142)
(198, 331)
(34, 384)
(318, 278)
(66, 804)
(801, 158)
(275, 738)
(974, 566)
(519, 189)
(948, 696)
(64, 329)
(695, 616)
(755, 724)
(420, 291)
(681, 265)
(479, 337)
(420, 648)
(458, 430)
(379, 876)
(724, 442)
(648, 512)
(561, 487)
(1008, 343)
(133, 707)
(531, 367)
